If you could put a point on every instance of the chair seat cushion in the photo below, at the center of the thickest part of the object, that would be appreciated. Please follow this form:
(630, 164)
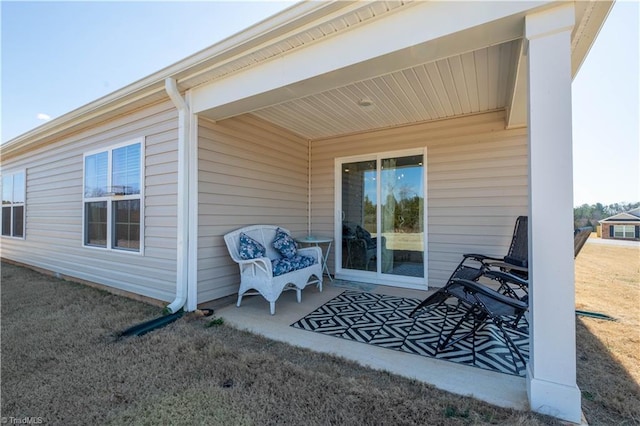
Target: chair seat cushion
(250, 248)
(284, 244)
(284, 265)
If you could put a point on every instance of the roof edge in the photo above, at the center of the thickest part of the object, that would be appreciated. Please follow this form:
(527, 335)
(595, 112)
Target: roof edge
(591, 23)
(286, 20)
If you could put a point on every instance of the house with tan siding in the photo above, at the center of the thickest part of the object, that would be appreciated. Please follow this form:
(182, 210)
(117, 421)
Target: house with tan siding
(449, 119)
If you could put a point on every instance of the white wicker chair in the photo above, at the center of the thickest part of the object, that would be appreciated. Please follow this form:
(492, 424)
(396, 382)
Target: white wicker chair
(257, 274)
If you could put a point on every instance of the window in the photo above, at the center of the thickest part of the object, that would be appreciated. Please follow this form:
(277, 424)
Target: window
(624, 231)
(13, 204)
(112, 198)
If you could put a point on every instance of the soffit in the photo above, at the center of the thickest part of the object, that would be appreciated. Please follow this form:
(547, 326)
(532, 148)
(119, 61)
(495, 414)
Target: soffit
(349, 15)
(470, 83)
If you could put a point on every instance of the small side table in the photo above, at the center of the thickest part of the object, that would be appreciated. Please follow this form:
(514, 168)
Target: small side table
(313, 240)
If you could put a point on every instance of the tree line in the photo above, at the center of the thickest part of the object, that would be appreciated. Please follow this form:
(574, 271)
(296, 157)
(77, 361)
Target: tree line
(589, 215)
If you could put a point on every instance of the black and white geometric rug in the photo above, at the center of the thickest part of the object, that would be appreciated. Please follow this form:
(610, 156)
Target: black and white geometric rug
(384, 321)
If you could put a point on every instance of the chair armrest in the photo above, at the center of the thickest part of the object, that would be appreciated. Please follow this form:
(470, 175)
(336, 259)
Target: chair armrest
(505, 265)
(257, 266)
(474, 287)
(314, 252)
(482, 257)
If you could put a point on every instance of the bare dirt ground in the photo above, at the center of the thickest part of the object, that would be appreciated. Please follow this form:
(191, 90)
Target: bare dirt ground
(62, 363)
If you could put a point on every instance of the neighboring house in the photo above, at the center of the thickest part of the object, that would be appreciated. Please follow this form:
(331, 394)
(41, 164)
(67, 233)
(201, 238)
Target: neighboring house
(290, 121)
(622, 226)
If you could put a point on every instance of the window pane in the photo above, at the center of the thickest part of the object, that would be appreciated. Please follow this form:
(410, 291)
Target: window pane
(402, 212)
(18, 188)
(359, 221)
(7, 189)
(127, 224)
(126, 170)
(96, 224)
(95, 175)
(6, 221)
(629, 231)
(18, 221)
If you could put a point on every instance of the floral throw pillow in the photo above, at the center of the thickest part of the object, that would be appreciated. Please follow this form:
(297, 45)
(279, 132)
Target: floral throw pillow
(250, 248)
(284, 244)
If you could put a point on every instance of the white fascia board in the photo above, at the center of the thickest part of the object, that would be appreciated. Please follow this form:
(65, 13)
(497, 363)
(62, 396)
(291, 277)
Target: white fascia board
(422, 33)
(587, 31)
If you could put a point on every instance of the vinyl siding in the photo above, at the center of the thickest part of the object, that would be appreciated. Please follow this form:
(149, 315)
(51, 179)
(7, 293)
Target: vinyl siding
(477, 183)
(54, 235)
(250, 172)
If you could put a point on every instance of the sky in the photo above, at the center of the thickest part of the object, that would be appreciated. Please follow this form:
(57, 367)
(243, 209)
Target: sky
(59, 56)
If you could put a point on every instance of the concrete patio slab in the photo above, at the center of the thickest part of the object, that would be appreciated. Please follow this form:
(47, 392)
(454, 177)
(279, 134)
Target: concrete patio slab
(496, 388)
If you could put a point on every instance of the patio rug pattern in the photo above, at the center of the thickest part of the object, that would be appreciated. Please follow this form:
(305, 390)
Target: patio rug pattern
(384, 321)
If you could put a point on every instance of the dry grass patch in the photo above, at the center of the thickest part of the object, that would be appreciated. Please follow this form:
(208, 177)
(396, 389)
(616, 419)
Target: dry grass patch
(608, 281)
(61, 361)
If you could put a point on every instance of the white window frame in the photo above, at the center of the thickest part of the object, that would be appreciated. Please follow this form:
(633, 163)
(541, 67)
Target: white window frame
(625, 230)
(111, 198)
(378, 277)
(13, 204)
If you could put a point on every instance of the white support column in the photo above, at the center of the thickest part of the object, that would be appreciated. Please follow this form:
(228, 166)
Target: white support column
(551, 374)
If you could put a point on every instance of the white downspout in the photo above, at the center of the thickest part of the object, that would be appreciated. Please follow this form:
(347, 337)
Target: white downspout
(183, 195)
(309, 188)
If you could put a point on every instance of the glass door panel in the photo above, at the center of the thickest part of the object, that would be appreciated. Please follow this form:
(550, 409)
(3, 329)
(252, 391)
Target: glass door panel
(402, 216)
(359, 215)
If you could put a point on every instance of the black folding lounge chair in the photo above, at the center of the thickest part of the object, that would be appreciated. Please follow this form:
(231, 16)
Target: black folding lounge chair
(481, 305)
(518, 286)
(504, 307)
(516, 261)
(472, 269)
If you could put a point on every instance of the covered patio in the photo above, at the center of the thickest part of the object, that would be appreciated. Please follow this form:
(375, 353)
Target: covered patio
(476, 97)
(407, 133)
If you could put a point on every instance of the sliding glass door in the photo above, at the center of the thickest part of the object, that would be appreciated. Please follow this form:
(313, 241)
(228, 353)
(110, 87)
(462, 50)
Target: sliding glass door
(381, 207)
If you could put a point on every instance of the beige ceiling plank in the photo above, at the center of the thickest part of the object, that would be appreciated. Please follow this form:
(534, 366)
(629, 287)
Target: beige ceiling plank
(482, 78)
(493, 74)
(447, 80)
(459, 83)
(436, 80)
(471, 81)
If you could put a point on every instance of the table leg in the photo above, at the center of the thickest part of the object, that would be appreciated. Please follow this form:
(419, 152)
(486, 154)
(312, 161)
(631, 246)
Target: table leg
(325, 268)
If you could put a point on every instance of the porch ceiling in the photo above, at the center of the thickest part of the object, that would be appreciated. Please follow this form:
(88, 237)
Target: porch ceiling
(473, 82)
(306, 68)
(445, 68)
